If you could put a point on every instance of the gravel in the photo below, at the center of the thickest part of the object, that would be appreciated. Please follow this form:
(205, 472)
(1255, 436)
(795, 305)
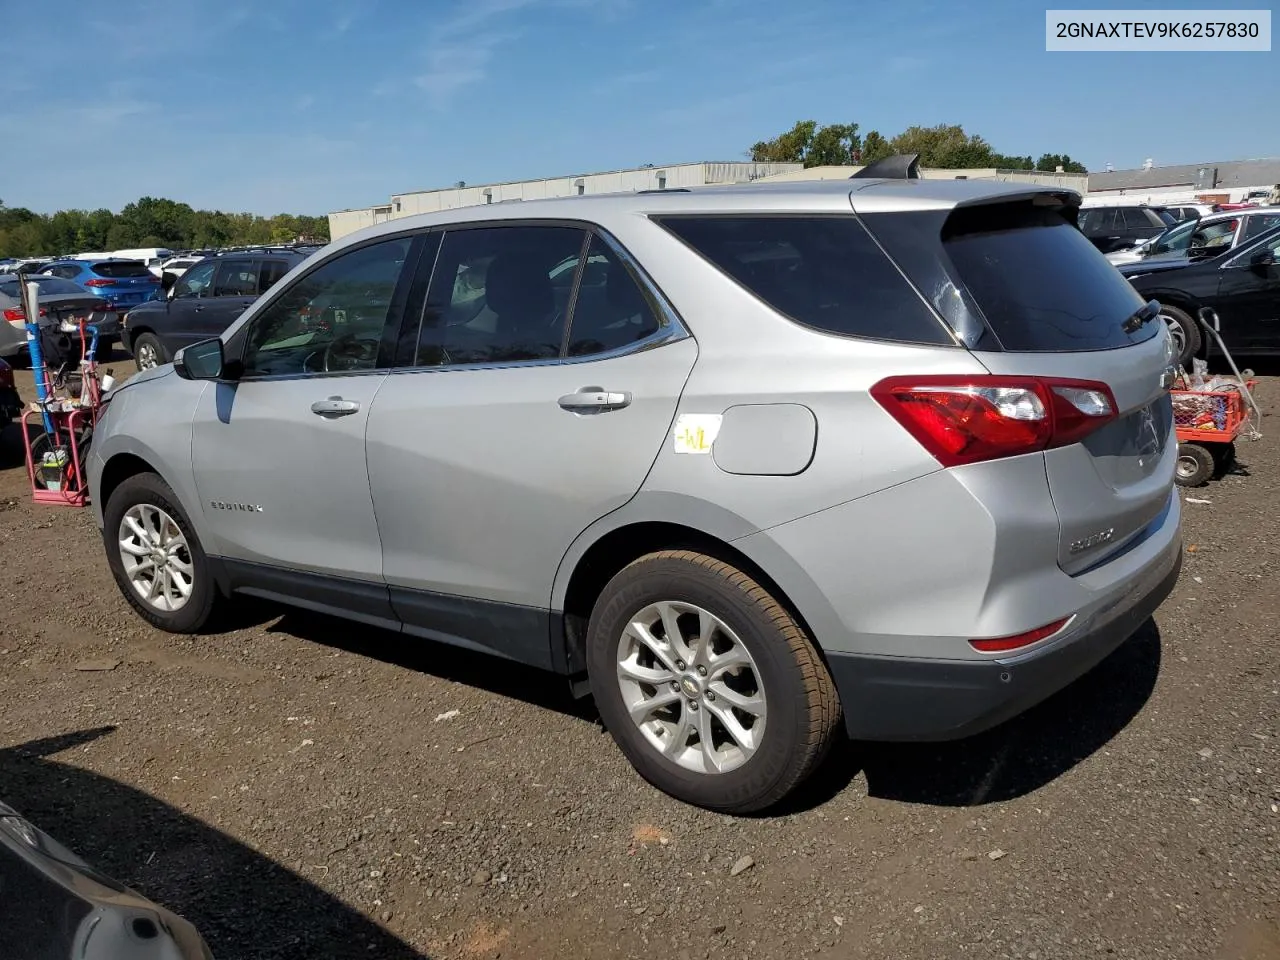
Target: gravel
(286, 786)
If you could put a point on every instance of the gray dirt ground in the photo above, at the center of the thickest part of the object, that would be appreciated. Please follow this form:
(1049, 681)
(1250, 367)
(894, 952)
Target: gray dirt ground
(304, 788)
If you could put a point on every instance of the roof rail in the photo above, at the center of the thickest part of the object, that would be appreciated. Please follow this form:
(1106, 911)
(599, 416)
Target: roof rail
(904, 166)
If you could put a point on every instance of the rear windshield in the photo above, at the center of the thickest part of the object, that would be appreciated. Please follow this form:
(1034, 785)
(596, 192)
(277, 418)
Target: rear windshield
(121, 268)
(1038, 281)
(822, 272)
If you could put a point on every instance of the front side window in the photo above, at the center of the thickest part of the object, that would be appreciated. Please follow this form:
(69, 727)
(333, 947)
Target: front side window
(331, 320)
(196, 282)
(499, 295)
(1214, 235)
(236, 278)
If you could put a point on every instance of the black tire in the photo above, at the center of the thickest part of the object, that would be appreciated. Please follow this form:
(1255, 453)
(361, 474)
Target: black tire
(148, 341)
(1183, 326)
(147, 488)
(802, 703)
(1195, 465)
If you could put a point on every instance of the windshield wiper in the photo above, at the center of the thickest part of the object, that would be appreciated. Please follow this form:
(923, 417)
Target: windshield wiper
(1149, 311)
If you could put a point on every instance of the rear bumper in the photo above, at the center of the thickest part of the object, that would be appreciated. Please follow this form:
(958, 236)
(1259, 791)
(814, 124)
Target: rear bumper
(906, 698)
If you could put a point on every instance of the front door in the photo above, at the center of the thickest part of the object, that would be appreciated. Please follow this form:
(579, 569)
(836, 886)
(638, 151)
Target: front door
(535, 399)
(192, 294)
(279, 455)
(235, 288)
(1249, 298)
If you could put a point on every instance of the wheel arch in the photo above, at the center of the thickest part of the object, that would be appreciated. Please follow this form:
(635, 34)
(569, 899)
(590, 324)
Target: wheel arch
(594, 560)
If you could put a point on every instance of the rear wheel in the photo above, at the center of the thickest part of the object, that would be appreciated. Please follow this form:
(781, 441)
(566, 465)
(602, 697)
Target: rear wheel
(707, 683)
(1195, 465)
(1185, 334)
(156, 557)
(148, 351)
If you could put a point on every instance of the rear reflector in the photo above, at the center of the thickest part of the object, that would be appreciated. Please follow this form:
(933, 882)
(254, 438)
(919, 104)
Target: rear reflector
(1016, 642)
(963, 420)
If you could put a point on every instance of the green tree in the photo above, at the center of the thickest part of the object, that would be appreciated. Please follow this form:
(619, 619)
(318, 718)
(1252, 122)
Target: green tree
(814, 146)
(1050, 162)
(875, 147)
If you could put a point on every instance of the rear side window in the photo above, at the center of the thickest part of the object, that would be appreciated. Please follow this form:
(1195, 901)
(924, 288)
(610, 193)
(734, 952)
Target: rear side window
(272, 271)
(823, 272)
(1040, 284)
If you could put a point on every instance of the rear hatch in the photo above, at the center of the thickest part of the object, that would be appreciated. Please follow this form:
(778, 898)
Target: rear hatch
(1032, 297)
(123, 281)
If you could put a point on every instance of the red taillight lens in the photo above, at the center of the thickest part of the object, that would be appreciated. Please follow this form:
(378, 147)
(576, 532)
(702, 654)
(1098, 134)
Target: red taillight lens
(17, 315)
(1017, 641)
(98, 283)
(963, 420)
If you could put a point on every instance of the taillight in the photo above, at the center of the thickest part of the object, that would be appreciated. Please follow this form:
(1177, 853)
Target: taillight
(17, 315)
(1019, 640)
(98, 283)
(965, 419)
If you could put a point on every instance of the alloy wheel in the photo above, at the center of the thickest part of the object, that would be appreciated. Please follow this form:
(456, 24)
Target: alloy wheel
(147, 357)
(691, 686)
(156, 557)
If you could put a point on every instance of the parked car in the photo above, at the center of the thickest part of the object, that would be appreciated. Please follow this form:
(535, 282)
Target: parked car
(58, 906)
(1206, 236)
(121, 283)
(915, 471)
(201, 303)
(61, 301)
(175, 265)
(1242, 284)
(1191, 211)
(10, 401)
(1112, 228)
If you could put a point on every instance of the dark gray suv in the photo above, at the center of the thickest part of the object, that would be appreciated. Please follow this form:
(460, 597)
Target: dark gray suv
(202, 303)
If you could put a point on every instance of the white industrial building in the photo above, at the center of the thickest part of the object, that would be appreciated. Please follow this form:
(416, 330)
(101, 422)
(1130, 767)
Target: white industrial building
(1219, 181)
(649, 177)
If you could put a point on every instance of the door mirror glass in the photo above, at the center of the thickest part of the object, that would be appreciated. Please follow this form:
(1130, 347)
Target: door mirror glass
(200, 361)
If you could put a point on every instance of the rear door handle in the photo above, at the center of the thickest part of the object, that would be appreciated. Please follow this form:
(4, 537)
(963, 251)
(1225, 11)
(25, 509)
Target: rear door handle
(334, 407)
(594, 400)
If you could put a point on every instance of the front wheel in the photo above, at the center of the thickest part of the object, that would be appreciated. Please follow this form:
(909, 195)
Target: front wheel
(148, 352)
(156, 557)
(707, 684)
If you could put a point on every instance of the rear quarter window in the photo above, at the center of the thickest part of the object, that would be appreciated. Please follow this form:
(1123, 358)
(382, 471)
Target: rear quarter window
(826, 273)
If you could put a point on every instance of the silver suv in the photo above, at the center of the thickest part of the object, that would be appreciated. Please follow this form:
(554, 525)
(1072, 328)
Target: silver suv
(745, 464)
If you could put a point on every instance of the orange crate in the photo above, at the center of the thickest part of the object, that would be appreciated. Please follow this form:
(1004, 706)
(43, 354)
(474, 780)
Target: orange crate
(1204, 416)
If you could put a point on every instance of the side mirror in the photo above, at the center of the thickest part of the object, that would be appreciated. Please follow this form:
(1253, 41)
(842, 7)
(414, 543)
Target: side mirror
(200, 361)
(1263, 258)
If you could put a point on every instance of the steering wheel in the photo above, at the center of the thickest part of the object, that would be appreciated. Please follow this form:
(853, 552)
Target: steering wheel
(351, 353)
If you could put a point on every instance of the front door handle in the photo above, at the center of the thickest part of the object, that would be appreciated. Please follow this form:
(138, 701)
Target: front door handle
(334, 407)
(594, 400)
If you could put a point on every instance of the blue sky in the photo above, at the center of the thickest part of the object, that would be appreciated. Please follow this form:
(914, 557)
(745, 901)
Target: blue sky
(306, 106)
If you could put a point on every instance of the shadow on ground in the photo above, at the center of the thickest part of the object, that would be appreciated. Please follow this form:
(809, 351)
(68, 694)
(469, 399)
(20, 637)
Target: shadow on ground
(1014, 759)
(245, 905)
(503, 677)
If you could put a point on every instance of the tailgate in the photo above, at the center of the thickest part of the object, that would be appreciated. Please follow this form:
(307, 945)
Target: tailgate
(1032, 297)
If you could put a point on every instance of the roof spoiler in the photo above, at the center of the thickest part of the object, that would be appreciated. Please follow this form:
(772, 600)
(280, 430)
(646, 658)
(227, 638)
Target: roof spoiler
(904, 166)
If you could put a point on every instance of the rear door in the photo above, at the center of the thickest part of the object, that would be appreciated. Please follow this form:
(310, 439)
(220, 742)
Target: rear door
(1048, 305)
(530, 405)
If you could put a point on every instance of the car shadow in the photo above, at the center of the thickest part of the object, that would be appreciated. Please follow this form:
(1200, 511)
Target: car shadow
(244, 904)
(1011, 760)
(506, 678)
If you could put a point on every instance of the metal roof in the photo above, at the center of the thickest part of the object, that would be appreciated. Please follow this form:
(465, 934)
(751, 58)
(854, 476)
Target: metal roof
(1200, 176)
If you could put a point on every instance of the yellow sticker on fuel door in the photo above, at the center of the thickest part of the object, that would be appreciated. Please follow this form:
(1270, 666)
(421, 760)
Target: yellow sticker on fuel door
(696, 432)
